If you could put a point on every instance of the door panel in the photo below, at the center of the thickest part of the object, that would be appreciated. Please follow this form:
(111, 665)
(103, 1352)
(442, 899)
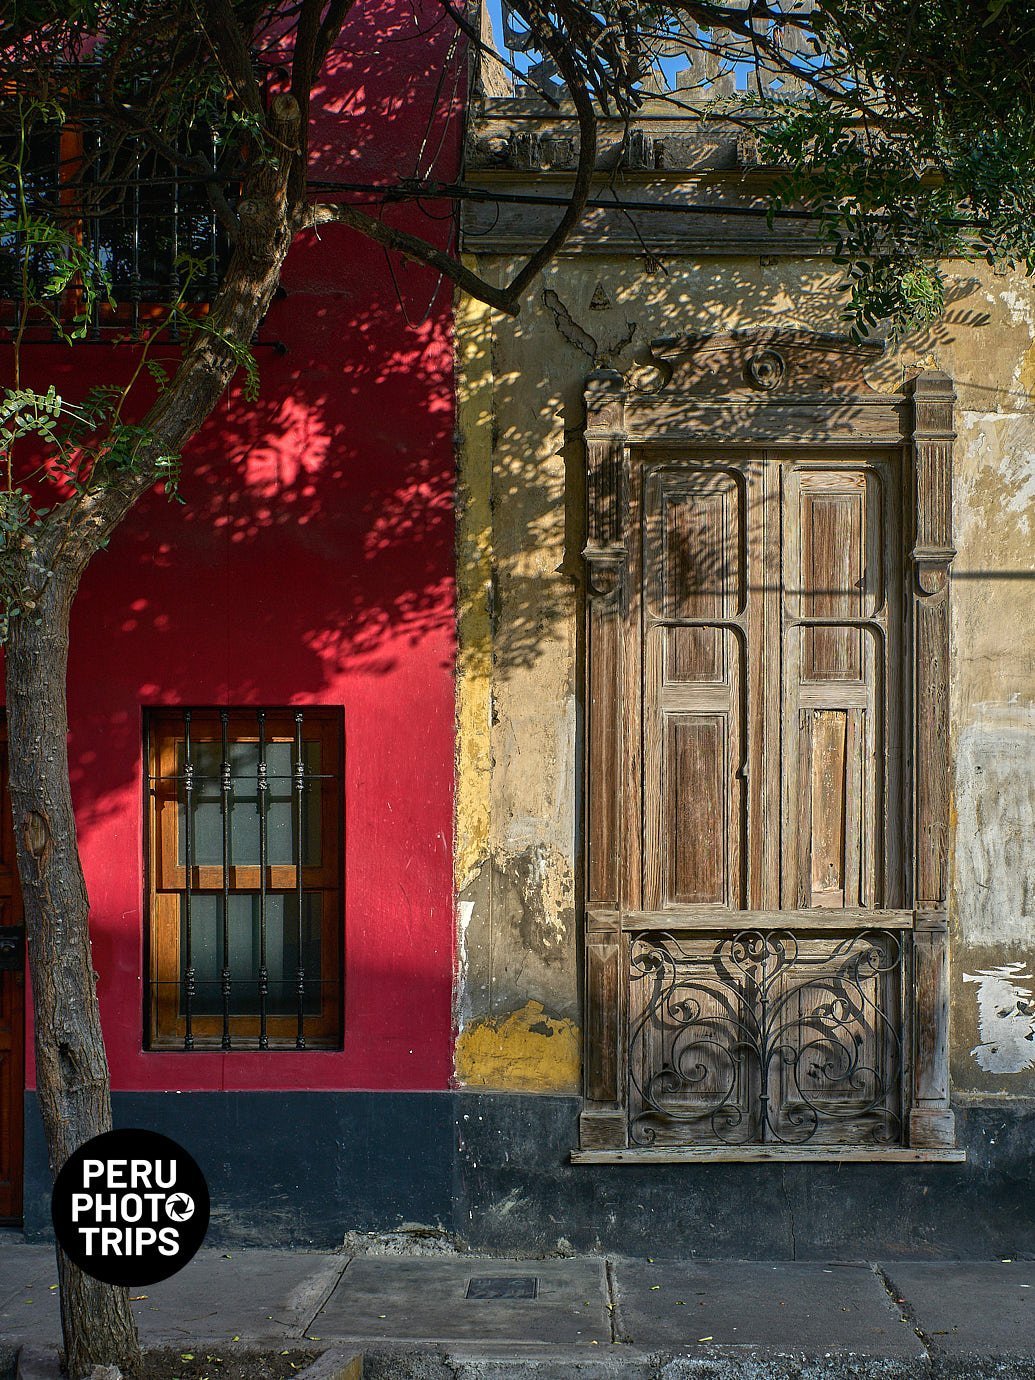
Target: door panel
(834, 606)
(696, 775)
(768, 589)
(695, 624)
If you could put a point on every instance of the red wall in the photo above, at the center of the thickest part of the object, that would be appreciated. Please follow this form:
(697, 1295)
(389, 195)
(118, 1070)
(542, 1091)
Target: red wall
(312, 564)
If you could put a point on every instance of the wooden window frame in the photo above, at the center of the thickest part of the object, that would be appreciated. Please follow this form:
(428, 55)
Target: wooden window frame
(764, 389)
(166, 879)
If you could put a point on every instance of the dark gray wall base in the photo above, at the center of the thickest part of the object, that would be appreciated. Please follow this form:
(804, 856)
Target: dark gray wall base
(301, 1169)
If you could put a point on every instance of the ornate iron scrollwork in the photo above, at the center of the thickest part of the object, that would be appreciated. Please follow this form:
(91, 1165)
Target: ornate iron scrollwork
(765, 1036)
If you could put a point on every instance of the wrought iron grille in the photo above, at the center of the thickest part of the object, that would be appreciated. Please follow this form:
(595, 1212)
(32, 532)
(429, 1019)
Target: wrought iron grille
(151, 226)
(765, 1036)
(148, 223)
(245, 878)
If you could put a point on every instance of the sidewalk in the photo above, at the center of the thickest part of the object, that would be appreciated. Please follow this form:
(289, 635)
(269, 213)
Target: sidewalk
(441, 1317)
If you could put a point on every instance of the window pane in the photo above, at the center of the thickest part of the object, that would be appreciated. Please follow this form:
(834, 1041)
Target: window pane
(281, 824)
(262, 937)
(244, 933)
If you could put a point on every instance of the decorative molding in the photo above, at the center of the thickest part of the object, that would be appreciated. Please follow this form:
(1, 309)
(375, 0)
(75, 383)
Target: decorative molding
(605, 402)
(756, 386)
(931, 568)
(767, 1154)
(799, 363)
(931, 1121)
(606, 567)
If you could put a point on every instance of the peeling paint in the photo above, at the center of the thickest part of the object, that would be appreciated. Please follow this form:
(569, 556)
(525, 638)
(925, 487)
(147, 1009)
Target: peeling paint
(1006, 1019)
(995, 827)
(543, 880)
(522, 519)
(997, 473)
(464, 914)
(527, 1050)
(518, 932)
(1019, 305)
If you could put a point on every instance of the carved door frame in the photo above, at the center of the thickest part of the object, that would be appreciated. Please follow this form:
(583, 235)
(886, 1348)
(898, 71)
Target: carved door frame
(766, 388)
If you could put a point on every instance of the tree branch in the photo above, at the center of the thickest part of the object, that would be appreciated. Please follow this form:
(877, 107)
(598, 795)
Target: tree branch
(466, 27)
(557, 46)
(412, 247)
(337, 11)
(303, 54)
(230, 50)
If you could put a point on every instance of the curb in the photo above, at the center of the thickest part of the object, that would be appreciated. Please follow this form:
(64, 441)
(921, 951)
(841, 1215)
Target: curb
(337, 1363)
(448, 1363)
(37, 1363)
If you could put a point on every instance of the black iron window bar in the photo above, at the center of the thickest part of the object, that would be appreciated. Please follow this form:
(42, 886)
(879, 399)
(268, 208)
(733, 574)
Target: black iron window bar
(189, 781)
(140, 226)
(719, 1025)
(137, 216)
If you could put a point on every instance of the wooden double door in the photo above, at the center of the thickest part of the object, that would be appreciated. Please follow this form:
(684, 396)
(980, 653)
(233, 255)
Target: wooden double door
(768, 649)
(12, 1011)
(765, 949)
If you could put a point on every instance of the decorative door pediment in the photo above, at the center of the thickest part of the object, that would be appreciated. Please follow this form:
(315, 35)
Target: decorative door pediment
(794, 363)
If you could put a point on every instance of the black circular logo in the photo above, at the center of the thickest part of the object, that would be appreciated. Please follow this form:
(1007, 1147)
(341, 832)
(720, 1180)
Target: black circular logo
(130, 1207)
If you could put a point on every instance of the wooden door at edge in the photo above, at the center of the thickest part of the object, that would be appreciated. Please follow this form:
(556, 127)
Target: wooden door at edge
(12, 1017)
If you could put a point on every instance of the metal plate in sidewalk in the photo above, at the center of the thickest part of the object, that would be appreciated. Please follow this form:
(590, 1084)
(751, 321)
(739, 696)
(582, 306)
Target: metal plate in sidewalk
(503, 1287)
(408, 1298)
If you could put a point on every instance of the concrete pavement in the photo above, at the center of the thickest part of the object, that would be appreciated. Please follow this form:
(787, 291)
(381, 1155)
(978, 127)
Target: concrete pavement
(459, 1316)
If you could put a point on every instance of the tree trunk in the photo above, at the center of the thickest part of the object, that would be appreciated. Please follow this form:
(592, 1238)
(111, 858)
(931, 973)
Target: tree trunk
(71, 1068)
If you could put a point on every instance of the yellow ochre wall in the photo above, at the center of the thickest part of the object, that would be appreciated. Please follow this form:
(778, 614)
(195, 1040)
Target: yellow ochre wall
(520, 534)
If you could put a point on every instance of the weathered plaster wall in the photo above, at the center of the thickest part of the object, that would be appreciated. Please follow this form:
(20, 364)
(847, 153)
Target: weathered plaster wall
(519, 731)
(994, 699)
(516, 735)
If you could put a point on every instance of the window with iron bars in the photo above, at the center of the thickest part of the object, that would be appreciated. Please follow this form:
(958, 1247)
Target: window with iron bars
(147, 223)
(245, 854)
